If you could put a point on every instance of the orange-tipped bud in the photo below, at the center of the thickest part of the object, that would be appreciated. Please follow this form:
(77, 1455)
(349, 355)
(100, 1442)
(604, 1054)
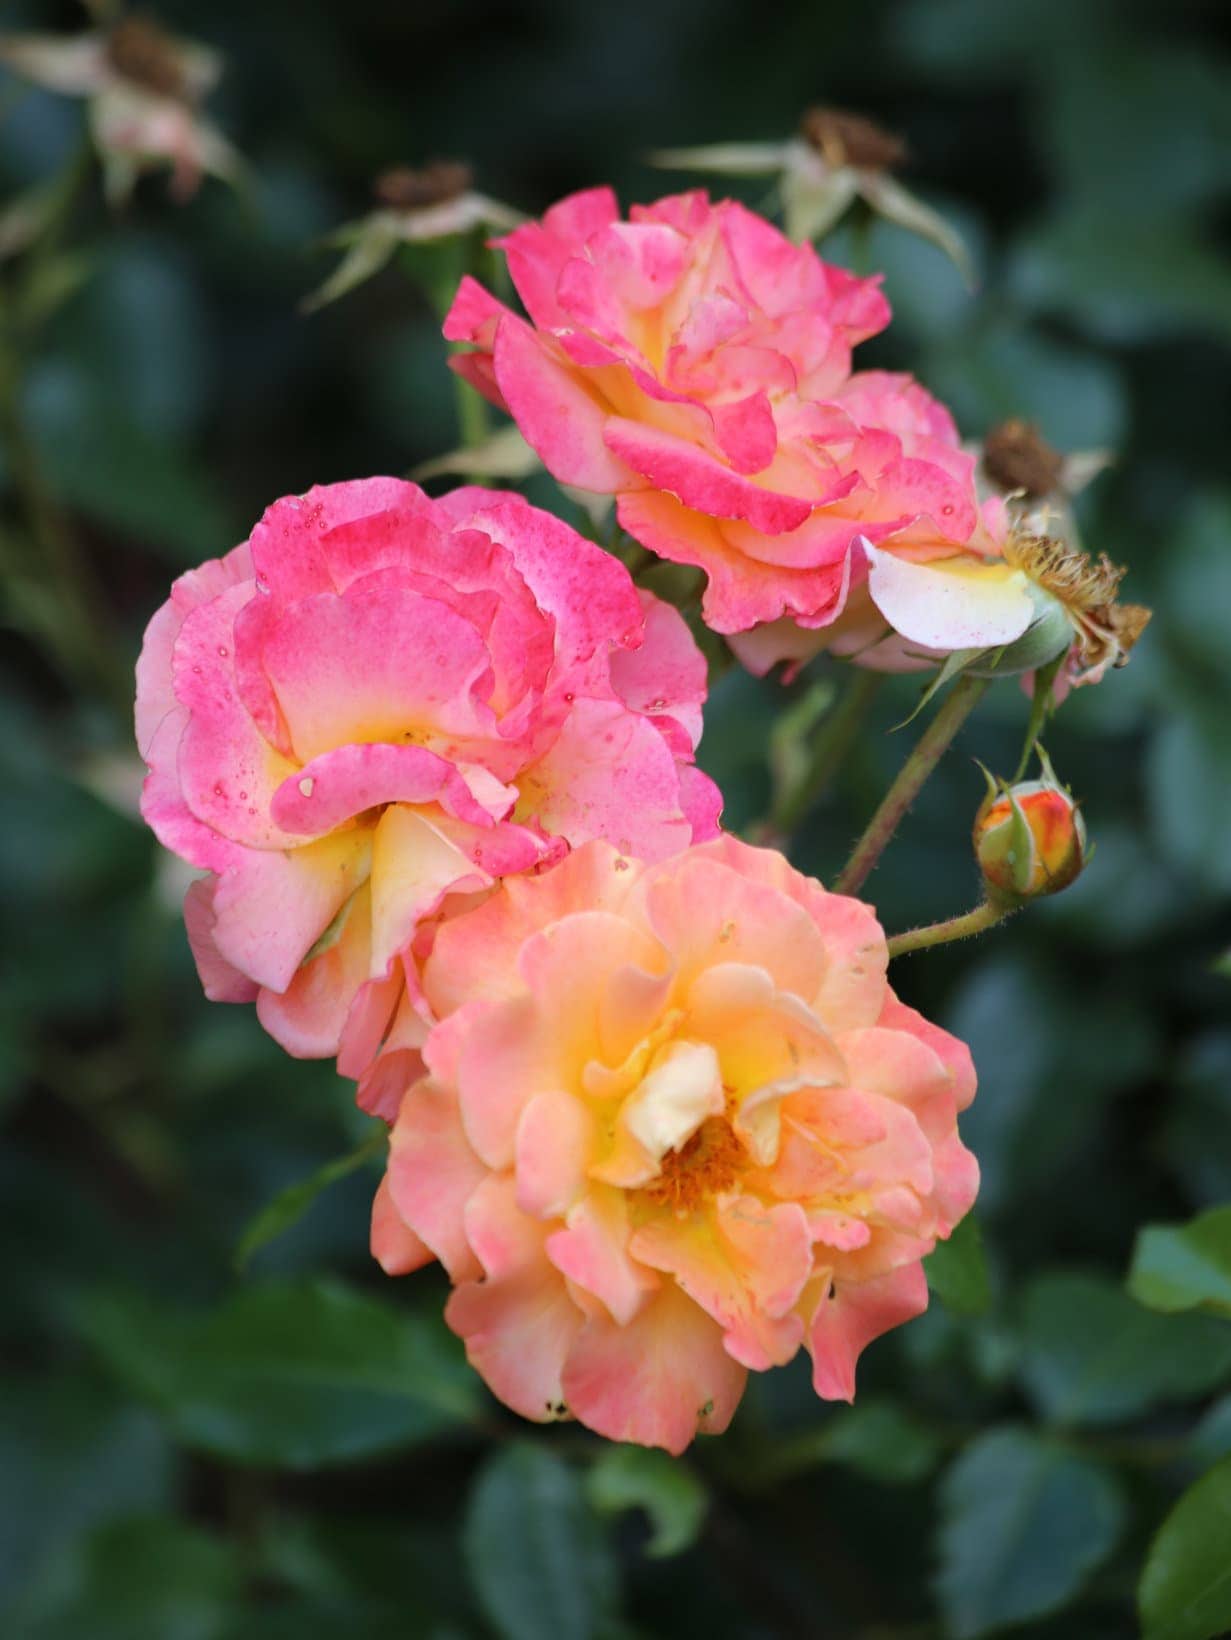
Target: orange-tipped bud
(1029, 838)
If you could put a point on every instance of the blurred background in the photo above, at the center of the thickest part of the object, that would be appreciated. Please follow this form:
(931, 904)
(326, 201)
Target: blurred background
(190, 1453)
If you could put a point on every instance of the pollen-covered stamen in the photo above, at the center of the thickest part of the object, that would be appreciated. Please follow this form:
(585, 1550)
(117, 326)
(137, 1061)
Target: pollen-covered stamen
(706, 1164)
(139, 50)
(1086, 589)
(403, 188)
(842, 138)
(1016, 457)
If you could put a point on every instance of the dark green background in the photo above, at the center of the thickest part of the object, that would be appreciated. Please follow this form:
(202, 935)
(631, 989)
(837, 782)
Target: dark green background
(185, 1454)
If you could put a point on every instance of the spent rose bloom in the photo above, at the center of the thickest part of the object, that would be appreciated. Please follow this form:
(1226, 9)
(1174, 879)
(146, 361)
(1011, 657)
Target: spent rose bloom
(696, 363)
(675, 1125)
(143, 89)
(379, 703)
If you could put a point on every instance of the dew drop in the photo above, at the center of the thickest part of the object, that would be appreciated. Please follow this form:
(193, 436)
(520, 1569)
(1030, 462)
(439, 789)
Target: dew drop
(307, 786)
(570, 697)
(243, 797)
(218, 792)
(223, 650)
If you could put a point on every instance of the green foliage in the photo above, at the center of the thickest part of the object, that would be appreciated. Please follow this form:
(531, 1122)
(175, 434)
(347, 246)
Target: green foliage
(1090, 1355)
(1024, 1523)
(290, 1205)
(293, 1374)
(630, 1477)
(957, 1270)
(1185, 1591)
(1185, 1267)
(541, 1565)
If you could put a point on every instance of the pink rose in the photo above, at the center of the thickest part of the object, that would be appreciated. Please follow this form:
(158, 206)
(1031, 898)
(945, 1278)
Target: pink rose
(381, 704)
(696, 363)
(676, 1125)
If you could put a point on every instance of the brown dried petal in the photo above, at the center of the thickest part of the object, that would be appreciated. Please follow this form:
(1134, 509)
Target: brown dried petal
(1017, 457)
(842, 138)
(145, 55)
(405, 189)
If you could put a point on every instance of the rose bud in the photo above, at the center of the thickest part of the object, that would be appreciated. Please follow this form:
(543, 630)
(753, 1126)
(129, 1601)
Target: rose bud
(1029, 838)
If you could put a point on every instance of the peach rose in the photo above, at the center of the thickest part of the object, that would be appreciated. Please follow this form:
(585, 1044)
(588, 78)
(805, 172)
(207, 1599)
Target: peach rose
(381, 703)
(676, 1125)
(696, 363)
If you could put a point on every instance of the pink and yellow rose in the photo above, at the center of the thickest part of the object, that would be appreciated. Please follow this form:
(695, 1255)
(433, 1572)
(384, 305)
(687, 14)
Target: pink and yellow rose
(696, 363)
(378, 706)
(675, 1125)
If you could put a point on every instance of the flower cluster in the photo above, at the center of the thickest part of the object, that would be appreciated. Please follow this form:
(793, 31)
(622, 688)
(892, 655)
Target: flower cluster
(380, 704)
(651, 1100)
(696, 364)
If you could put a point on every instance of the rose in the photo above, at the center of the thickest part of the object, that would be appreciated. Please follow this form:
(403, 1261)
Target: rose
(381, 704)
(676, 1125)
(696, 363)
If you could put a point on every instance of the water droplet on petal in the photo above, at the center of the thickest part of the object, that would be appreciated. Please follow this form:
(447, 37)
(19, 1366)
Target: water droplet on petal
(307, 785)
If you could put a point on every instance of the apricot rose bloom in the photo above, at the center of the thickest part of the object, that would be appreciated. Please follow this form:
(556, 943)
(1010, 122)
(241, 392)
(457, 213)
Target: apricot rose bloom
(380, 703)
(697, 364)
(676, 1125)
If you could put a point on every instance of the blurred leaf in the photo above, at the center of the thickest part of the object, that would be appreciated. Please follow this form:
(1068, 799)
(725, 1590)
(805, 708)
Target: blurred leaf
(1091, 1355)
(1199, 1117)
(634, 1477)
(997, 371)
(1185, 1590)
(1195, 582)
(1189, 787)
(1039, 1102)
(289, 1205)
(105, 465)
(540, 1563)
(293, 1374)
(957, 1270)
(1211, 1440)
(883, 1441)
(1184, 1266)
(146, 1578)
(1023, 1525)
(71, 1454)
(356, 1570)
(1134, 125)
(1123, 278)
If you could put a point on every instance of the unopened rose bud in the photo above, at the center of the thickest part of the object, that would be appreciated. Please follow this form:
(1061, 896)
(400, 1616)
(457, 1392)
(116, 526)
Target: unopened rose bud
(1029, 838)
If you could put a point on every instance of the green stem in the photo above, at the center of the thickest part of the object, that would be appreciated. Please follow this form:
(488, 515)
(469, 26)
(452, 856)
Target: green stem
(834, 739)
(983, 916)
(933, 744)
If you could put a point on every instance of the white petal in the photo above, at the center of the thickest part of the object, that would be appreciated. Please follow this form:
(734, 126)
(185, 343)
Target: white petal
(951, 603)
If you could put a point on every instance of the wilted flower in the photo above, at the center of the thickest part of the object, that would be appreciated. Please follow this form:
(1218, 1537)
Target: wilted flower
(144, 89)
(415, 206)
(696, 364)
(380, 703)
(676, 1125)
(836, 158)
(1029, 838)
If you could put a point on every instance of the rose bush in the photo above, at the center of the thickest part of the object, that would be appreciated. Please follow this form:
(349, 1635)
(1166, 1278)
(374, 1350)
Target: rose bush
(375, 708)
(676, 1124)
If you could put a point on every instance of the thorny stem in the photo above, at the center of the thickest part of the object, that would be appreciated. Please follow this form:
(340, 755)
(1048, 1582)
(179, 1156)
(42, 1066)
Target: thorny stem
(933, 743)
(834, 739)
(982, 917)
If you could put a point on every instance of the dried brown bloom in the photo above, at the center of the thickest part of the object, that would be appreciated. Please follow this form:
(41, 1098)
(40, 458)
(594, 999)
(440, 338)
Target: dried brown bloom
(405, 189)
(144, 54)
(1016, 457)
(1086, 588)
(842, 138)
